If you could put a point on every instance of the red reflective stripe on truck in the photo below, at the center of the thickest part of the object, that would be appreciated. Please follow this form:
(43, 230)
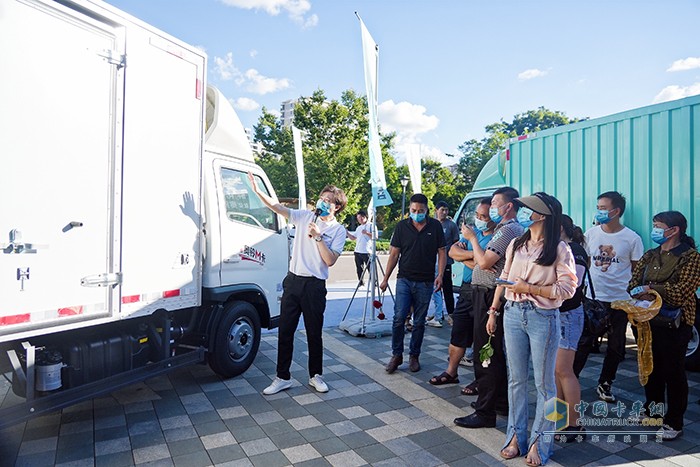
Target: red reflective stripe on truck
(14, 319)
(70, 311)
(171, 293)
(131, 298)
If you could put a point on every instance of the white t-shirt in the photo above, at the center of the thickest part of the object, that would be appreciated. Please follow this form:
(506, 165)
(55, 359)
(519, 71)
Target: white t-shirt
(306, 259)
(362, 240)
(611, 256)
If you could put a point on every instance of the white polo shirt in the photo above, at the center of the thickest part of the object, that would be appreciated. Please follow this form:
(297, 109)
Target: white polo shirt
(306, 259)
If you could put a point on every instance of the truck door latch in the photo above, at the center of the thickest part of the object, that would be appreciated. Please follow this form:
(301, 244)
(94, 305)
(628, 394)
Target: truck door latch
(102, 280)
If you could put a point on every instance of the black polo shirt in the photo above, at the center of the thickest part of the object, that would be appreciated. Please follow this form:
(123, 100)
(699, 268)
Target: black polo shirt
(418, 249)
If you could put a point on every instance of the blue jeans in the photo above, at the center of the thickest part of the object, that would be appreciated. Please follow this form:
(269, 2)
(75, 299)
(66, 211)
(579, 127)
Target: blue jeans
(410, 293)
(531, 333)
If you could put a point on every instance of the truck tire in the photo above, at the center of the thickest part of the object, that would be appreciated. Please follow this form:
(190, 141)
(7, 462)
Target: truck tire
(236, 340)
(692, 354)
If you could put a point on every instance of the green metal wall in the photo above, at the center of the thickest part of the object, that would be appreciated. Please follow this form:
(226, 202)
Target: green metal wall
(647, 154)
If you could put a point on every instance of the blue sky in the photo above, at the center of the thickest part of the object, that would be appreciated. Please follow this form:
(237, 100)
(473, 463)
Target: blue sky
(446, 68)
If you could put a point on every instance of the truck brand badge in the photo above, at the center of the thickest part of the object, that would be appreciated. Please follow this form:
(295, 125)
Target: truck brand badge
(248, 253)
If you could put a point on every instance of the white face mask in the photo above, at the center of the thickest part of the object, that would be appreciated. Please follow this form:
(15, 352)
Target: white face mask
(482, 226)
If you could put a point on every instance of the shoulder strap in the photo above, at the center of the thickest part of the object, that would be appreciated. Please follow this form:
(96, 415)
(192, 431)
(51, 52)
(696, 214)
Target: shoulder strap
(590, 282)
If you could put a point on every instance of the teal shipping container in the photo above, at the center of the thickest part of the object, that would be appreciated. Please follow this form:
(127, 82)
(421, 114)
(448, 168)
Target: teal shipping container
(650, 155)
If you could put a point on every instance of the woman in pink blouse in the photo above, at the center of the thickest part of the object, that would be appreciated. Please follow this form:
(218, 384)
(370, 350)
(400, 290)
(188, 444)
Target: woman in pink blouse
(541, 274)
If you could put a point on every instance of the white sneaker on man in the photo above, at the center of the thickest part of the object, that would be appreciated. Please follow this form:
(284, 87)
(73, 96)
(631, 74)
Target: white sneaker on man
(318, 384)
(465, 361)
(668, 434)
(278, 384)
(435, 323)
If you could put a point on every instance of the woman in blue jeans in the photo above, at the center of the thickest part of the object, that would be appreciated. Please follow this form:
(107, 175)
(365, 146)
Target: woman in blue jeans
(541, 274)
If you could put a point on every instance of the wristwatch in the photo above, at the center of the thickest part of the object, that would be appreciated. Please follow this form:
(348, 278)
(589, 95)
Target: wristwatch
(318, 238)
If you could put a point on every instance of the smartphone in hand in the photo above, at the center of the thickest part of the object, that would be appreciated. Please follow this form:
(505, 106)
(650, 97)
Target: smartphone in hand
(500, 281)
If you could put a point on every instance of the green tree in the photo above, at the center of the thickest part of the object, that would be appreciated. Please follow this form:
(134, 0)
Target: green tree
(334, 147)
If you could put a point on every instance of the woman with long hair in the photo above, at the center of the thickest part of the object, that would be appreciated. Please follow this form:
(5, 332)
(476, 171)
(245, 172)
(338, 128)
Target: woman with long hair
(540, 275)
(673, 270)
(571, 318)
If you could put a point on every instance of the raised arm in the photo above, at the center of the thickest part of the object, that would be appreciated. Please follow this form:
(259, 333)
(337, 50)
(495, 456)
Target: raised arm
(267, 201)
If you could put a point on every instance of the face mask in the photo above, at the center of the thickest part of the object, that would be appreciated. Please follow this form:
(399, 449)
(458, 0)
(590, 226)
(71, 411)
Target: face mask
(324, 207)
(482, 226)
(523, 217)
(603, 216)
(657, 235)
(418, 216)
(494, 215)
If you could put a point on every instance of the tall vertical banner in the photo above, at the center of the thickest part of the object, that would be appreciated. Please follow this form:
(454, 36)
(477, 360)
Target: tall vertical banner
(413, 161)
(296, 134)
(370, 53)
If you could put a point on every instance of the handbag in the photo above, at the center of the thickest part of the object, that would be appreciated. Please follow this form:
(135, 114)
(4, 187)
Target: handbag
(595, 313)
(668, 317)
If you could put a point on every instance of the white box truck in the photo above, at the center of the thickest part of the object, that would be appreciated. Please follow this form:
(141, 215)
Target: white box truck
(131, 242)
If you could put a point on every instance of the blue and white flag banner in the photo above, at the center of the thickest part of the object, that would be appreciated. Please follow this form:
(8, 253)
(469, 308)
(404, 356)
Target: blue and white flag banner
(370, 52)
(296, 134)
(413, 161)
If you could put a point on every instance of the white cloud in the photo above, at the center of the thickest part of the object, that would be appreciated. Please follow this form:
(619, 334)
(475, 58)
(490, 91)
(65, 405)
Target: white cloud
(689, 63)
(674, 91)
(226, 70)
(405, 118)
(260, 84)
(245, 104)
(253, 53)
(296, 9)
(224, 67)
(531, 73)
(201, 47)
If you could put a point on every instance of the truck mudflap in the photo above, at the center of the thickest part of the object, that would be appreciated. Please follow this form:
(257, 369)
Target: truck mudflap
(35, 406)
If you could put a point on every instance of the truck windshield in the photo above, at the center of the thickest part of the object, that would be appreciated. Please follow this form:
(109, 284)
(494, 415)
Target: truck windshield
(242, 205)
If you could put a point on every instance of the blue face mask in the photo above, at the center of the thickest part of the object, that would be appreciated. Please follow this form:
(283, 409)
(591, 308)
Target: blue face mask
(418, 216)
(324, 207)
(494, 215)
(523, 217)
(481, 226)
(603, 216)
(657, 235)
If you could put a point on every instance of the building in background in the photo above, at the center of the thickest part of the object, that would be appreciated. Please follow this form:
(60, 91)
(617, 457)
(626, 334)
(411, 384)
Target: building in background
(287, 110)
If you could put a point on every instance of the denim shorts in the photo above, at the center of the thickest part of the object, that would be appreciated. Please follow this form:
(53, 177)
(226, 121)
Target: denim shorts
(571, 328)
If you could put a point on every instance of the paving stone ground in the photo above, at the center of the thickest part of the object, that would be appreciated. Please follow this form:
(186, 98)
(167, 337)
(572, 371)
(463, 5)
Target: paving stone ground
(191, 417)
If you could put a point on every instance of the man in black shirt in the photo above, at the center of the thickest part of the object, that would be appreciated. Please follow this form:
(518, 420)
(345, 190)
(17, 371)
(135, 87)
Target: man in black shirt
(415, 244)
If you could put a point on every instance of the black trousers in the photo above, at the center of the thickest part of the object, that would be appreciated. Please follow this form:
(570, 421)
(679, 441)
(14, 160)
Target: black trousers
(668, 383)
(307, 296)
(492, 381)
(615, 353)
(361, 259)
(447, 291)
(462, 334)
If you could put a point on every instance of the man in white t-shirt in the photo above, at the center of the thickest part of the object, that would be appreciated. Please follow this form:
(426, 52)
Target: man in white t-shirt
(362, 237)
(318, 243)
(613, 249)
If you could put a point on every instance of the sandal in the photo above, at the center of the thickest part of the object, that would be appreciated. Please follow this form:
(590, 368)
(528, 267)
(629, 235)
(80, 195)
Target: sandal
(444, 378)
(470, 390)
(527, 458)
(512, 455)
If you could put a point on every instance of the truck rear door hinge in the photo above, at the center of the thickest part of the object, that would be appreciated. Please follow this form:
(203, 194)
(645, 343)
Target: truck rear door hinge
(102, 280)
(113, 57)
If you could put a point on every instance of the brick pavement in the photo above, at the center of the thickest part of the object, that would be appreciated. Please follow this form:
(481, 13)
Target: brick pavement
(193, 418)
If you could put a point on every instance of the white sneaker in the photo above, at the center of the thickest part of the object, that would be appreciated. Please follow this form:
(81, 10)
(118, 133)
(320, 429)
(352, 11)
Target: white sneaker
(466, 361)
(435, 323)
(278, 384)
(318, 384)
(668, 434)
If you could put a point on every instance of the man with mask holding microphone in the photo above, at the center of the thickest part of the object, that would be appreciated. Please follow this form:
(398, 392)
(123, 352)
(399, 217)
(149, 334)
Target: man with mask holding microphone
(318, 243)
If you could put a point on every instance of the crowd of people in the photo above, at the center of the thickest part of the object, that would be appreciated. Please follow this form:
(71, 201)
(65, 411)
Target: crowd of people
(520, 309)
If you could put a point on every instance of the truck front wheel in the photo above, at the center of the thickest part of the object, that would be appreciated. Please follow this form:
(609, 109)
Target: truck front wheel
(236, 340)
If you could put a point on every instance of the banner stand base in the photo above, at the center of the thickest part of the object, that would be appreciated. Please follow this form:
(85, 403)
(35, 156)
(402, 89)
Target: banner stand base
(372, 328)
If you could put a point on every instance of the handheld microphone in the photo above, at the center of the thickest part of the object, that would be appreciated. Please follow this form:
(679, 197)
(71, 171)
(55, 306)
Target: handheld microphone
(317, 213)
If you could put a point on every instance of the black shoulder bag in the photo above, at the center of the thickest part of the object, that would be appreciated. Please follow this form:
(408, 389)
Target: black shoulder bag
(597, 318)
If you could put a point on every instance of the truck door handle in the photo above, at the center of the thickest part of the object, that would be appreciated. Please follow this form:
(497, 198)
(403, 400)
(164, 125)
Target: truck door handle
(102, 280)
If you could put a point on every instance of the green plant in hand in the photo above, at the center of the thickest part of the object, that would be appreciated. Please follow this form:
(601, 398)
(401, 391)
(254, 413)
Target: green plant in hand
(486, 353)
